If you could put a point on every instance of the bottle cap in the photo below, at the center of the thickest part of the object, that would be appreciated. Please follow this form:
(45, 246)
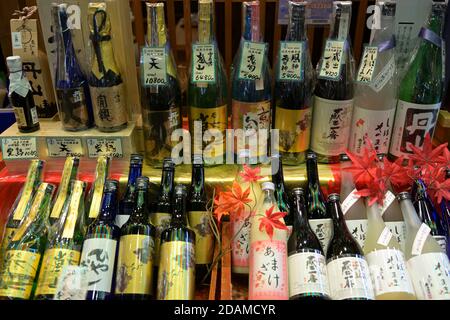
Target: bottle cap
(334, 197)
(111, 185)
(388, 8)
(244, 153)
(268, 186)
(344, 157)
(50, 188)
(403, 196)
(14, 63)
(180, 190)
(298, 191)
(197, 159)
(142, 182)
(136, 159)
(168, 163)
(311, 155)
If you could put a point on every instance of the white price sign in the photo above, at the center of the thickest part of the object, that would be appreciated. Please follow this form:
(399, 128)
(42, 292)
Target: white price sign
(332, 60)
(64, 147)
(19, 148)
(252, 59)
(154, 65)
(290, 61)
(203, 63)
(367, 66)
(105, 146)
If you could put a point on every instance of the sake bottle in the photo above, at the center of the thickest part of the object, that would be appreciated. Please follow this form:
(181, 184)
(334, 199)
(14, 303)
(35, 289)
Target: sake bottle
(135, 259)
(160, 88)
(268, 277)
(94, 201)
(281, 194)
(427, 263)
(348, 271)
(294, 86)
(376, 88)
(421, 90)
(306, 260)
(100, 247)
(333, 101)
(390, 277)
(207, 91)
(176, 276)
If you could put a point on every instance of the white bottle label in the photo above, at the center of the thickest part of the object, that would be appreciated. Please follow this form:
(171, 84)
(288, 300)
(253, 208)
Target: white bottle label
(412, 122)
(240, 244)
(349, 201)
(389, 197)
(307, 273)
(323, 228)
(384, 76)
(99, 256)
(20, 117)
(367, 65)
(121, 219)
(430, 274)
(420, 238)
(349, 278)
(385, 237)
(375, 125)
(358, 229)
(388, 271)
(331, 126)
(34, 115)
(398, 229)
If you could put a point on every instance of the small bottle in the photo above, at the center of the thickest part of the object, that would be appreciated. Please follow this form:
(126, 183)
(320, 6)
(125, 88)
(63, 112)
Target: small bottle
(348, 271)
(100, 247)
(200, 220)
(64, 243)
(427, 263)
(95, 196)
(319, 218)
(21, 96)
(176, 276)
(127, 204)
(306, 261)
(18, 271)
(135, 258)
(268, 274)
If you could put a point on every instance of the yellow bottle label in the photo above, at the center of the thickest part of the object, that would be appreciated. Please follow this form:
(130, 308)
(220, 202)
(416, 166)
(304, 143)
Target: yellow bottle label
(100, 178)
(9, 233)
(109, 106)
(71, 219)
(176, 277)
(215, 120)
(204, 237)
(295, 129)
(27, 190)
(52, 266)
(135, 265)
(18, 273)
(63, 188)
(161, 221)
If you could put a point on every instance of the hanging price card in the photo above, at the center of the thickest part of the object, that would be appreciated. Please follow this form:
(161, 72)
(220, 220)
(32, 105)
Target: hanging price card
(367, 66)
(154, 66)
(203, 63)
(290, 61)
(64, 147)
(332, 60)
(19, 148)
(250, 67)
(105, 146)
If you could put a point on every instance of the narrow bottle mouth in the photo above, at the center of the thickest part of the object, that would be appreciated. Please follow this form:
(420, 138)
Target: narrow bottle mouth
(180, 190)
(298, 191)
(142, 182)
(268, 186)
(168, 164)
(334, 197)
(111, 185)
(403, 196)
(311, 156)
(197, 160)
(388, 8)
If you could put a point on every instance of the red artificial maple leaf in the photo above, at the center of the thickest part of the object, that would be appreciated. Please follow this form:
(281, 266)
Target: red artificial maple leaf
(271, 220)
(426, 155)
(441, 190)
(395, 174)
(444, 159)
(251, 175)
(232, 201)
(375, 191)
(332, 187)
(363, 167)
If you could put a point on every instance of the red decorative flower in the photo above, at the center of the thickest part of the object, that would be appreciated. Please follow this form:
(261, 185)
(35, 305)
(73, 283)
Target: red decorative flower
(363, 168)
(375, 191)
(444, 159)
(272, 220)
(251, 175)
(441, 190)
(232, 201)
(426, 155)
(396, 174)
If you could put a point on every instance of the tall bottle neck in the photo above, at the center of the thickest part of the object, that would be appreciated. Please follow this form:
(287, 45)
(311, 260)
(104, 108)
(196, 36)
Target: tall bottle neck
(167, 185)
(206, 22)
(297, 28)
(140, 211)
(312, 171)
(135, 172)
(341, 24)
(156, 27)
(277, 174)
(374, 213)
(109, 206)
(300, 216)
(335, 210)
(251, 21)
(436, 20)
(410, 215)
(198, 182)
(179, 218)
(386, 31)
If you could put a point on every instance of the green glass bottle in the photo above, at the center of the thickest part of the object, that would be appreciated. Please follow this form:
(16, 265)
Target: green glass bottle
(207, 91)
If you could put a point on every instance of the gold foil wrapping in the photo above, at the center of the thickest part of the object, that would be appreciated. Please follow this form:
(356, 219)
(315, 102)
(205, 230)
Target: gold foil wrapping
(74, 207)
(205, 10)
(101, 173)
(63, 189)
(155, 14)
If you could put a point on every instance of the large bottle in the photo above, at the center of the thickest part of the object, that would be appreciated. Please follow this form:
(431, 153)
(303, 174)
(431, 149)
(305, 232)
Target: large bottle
(348, 271)
(421, 89)
(94, 200)
(268, 274)
(427, 263)
(306, 261)
(72, 89)
(200, 220)
(281, 194)
(251, 86)
(105, 81)
(21, 97)
(176, 276)
(135, 258)
(319, 217)
(333, 101)
(294, 86)
(161, 93)
(390, 278)
(376, 88)
(64, 243)
(19, 268)
(100, 247)
(127, 204)
(207, 90)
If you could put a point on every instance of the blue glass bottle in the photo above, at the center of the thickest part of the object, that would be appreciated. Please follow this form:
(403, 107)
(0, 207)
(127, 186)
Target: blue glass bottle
(100, 247)
(445, 214)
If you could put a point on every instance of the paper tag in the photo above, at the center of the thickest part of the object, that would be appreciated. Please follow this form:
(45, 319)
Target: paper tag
(384, 76)
(419, 240)
(367, 66)
(250, 67)
(154, 64)
(358, 230)
(72, 284)
(203, 63)
(16, 40)
(19, 148)
(398, 229)
(105, 146)
(387, 201)
(332, 60)
(385, 237)
(290, 61)
(349, 201)
(64, 147)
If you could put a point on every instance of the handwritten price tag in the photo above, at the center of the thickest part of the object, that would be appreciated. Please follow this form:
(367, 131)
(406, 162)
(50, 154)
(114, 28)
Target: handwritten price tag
(250, 67)
(291, 61)
(367, 66)
(154, 65)
(203, 63)
(19, 148)
(332, 60)
(105, 146)
(64, 147)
